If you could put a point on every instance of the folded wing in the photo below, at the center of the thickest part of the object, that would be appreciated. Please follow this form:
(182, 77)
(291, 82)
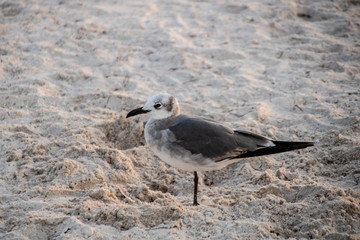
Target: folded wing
(213, 140)
(218, 142)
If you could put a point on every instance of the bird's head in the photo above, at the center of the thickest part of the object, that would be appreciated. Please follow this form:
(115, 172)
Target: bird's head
(159, 106)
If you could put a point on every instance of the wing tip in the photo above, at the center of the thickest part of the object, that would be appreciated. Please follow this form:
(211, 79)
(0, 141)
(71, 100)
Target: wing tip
(288, 146)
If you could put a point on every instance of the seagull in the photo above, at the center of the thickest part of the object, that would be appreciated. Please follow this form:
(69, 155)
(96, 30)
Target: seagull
(198, 144)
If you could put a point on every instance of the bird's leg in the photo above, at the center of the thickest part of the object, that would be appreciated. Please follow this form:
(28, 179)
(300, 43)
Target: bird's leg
(196, 180)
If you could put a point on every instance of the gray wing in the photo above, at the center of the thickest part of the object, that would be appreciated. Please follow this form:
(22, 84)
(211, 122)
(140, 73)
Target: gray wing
(213, 140)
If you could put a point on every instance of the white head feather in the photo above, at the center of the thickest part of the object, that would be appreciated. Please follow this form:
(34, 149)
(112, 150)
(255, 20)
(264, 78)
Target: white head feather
(162, 106)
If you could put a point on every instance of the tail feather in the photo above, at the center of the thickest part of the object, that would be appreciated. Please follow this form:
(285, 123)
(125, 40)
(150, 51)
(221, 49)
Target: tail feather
(280, 146)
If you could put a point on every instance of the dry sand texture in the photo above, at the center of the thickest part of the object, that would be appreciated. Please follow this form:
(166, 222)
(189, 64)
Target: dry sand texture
(72, 166)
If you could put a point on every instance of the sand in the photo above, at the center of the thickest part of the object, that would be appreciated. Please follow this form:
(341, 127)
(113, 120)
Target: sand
(73, 167)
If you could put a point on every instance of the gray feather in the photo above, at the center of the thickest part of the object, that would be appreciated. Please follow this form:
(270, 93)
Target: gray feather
(213, 140)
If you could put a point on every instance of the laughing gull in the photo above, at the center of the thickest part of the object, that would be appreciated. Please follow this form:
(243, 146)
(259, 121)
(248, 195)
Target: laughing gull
(198, 144)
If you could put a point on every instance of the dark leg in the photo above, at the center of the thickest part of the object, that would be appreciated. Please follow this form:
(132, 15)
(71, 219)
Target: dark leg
(196, 179)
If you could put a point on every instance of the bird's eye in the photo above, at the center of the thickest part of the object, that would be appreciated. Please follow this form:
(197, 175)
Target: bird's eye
(157, 106)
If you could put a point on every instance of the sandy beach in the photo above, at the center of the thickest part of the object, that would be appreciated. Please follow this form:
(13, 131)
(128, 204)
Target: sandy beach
(73, 167)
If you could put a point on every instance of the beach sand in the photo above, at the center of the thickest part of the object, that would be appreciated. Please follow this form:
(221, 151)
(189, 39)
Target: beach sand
(73, 167)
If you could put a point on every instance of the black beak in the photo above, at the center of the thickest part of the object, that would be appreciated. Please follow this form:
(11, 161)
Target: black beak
(136, 112)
